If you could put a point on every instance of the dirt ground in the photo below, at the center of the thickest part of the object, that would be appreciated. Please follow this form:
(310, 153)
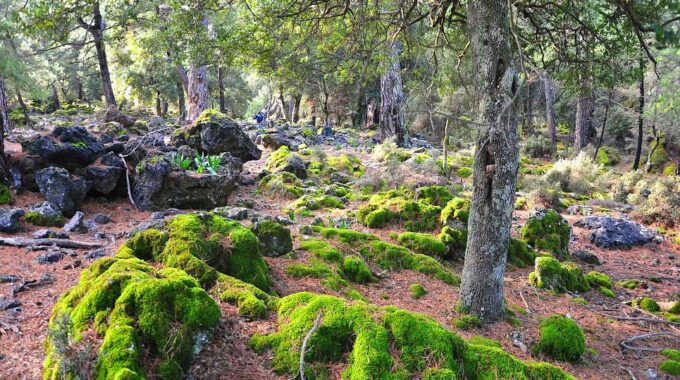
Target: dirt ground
(606, 321)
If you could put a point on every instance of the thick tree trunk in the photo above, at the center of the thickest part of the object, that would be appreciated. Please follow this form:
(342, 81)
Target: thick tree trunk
(24, 109)
(297, 99)
(98, 36)
(496, 161)
(198, 91)
(549, 90)
(220, 86)
(55, 97)
(604, 123)
(392, 120)
(641, 115)
(584, 117)
(159, 110)
(5, 177)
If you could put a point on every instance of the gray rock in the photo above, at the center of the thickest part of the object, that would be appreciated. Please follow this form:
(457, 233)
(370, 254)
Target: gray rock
(90, 225)
(8, 278)
(9, 220)
(62, 189)
(76, 223)
(50, 257)
(50, 215)
(234, 213)
(49, 234)
(70, 147)
(9, 303)
(586, 256)
(104, 178)
(102, 219)
(95, 254)
(275, 240)
(613, 233)
(340, 177)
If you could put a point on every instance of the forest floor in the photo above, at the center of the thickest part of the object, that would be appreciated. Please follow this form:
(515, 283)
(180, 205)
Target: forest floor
(228, 356)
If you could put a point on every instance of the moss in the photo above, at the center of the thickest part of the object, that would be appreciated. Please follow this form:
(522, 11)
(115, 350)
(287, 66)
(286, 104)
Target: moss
(322, 250)
(382, 343)
(467, 322)
(142, 312)
(464, 172)
(478, 340)
(274, 238)
(251, 301)
(607, 156)
(355, 295)
(316, 269)
(316, 202)
(561, 339)
(434, 195)
(345, 235)
(597, 279)
(671, 354)
(417, 291)
(282, 184)
(347, 163)
(660, 156)
(401, 207)
(278, 159)
(548, 231)
(422, 243)
(39, 219)
(675, 309)
(648, 304)
(631, 284)
(521, 203)
(560, 277)
(671, 367)
(454, 241)
(670, 169)
(456, 209)
(519, 253)
(5, 194)
(607, 292)
(356, 270)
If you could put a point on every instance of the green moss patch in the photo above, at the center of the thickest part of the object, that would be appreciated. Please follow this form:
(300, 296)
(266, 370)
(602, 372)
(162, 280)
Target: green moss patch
(39, 219)
(383, 343)
(648, 304)
(560, 277)
(454, 240)
(607, 156)
(520, 254)
(422, 243)
(548, 231)
(416, 210)
(417, 291)
(467, 322)
(5, 194)
(597, 279)
(283, 184)
(561, 339)
(458, 209)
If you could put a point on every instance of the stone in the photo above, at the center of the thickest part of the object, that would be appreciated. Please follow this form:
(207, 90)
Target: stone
(62, 189)
(45, 214)
(234, 213)
(49, 234)
(104, 178)
(75, 224)
(9, 220)
(275, 240)
(90, 225)
(586, 256)
(614, 233)
(9, 303)
(214, 133)
(340, 177)
(274, 141)
(69, 147)
(50, 257)
(8, 278)
(95, 253)
(102, 219)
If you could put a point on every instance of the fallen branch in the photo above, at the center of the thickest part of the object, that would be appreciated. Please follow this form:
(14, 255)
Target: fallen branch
(127, 179)
(303, 350)
(62, 243)
(627, 344)
(525, 301)
(636, 319)
(630, 373)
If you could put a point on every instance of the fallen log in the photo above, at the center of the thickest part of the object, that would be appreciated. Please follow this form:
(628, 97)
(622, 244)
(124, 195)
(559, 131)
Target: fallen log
(62, 243)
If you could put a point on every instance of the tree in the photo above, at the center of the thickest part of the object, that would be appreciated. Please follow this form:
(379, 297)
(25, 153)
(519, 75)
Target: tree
(392, 99)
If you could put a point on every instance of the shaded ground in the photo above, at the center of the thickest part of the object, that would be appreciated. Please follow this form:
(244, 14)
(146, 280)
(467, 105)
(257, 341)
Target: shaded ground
(229, 357)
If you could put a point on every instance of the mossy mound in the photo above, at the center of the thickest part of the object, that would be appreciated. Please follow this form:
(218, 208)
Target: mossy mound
(467, 322)
(648, 304)
(520, 254)
(560, 277)
(561, 338)
(331, 277)
(138, 312)
(317, 202)
(323, 166)
(454, 240)
(672, 365)
(38, 219)
(597, 279)
(456, 211)
(282, 160)
(322, 250)
(383, 343)
(675, 309)
(417, 291)
(547, 230)
(660, 156)
(607, 156)
(275, 239)
(422, 243)
(402, 207)
(356, 270)
(283, 184)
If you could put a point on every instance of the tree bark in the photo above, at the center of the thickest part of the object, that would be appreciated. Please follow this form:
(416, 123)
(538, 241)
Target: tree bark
(5, 177)
(496, 161)
(392, 121)
(158, 103)
(604, 124)
(584, 117)
(528, 110)
(55, 97)
(641, 117)
(198, 91)
(297, 99)
(97, 31)
(181, 102)
(220, 86)
(24, 109)
(549, 90)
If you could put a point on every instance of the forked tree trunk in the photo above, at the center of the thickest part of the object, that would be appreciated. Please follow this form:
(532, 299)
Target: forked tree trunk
(641, 116)
(5, 177)
(198, 91)
(496, 161)
(392, 121)
(220, 86)
(549, 90)
(584, 117)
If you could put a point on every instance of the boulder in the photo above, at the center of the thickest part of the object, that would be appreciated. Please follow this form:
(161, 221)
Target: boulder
(76, 223)
(214, 133)
(274, 141)
(275, 240)
(614, 233)
(69, 147)
(586, 256)
(62, 189)
(104, 178)
(48, 234)
(9, 220)
(45, 214)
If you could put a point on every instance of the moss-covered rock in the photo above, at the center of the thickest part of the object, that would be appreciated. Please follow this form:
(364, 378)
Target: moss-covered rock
(317, 202)
(560, 277)
(282, 160)
(454, 240)
(401, 207)
(422, 243)
(467, 322)
(456, 212)
(648, 304)
(520, 254)
(356, 270)
(607, 156)
(672, 365)
(383, 343)
(417, 291)
(547, 230)
(284, 184)
(561, 338)
(275, 239)
(322, 250)
(5, 194)
(597, 279)
(138, 312)
(330, 277)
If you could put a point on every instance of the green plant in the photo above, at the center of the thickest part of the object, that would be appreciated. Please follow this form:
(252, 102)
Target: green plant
(213, 164)
(179, 161)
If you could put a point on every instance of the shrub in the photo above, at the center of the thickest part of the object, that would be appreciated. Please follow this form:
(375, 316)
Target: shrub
(607, 156)
(579, 175)
(538, 146)
(561, 338)
(657, 200)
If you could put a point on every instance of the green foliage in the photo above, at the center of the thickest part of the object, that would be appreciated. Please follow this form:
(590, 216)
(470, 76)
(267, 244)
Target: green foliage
(561, 338)
(464, 172)
(519, 253)
(648, 304)
(180, 162)
(537, 146)
(547, 230)
(356, 270)
(467, 322)
(422, 243)
(5, 194)
(560, 277)
(607, 156)
(417, 291)
(456, 209)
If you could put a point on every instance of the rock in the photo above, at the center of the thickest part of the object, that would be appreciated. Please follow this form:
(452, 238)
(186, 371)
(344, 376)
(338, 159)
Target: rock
(73, 265)
(45, 214)
(613, 233)
(274, 141)
(27, 165)
(50, 257)
(8, 278)
(76, 223)
(95, 254)
(158, 224)
(586, 256)
(9, 303)
(102, 219)
(114, 114)
(49, 234)
(16, 178)
(275, 240)
(234, 213)
(9, 220)
(104, 178)
(187, 152)
(62, 189)
(340, 177)
(69, 147)
(90, 225)
(214, 133)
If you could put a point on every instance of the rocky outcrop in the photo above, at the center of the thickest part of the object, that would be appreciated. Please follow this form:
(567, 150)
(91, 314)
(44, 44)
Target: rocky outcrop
(214, 133)
(613, 233)
(68, 147)
(105, 174)
(62, 189)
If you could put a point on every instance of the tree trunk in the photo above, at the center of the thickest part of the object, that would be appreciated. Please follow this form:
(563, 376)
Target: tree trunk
(55, 97)
(528, 110)
(181, 103)
(584, 117)
(496, 161)
(282, 105)
(392, 98)
(158, 104)
(297, 99)
(198, 91)
(5, 177)
(604, 124)
(220, 86)
(98, 36)
(641, 120)
(24, 109)
(549, 90)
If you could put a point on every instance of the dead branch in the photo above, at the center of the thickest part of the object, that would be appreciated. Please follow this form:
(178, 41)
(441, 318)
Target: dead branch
(628, 343)
(127, 180)
(525, 301)
(630, 373)
(303, 350)
(62, 243)
(636, 319)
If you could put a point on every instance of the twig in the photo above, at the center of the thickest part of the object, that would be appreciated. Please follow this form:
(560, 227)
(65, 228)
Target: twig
(630, 373)
(627, 344)
(636, 319)
(63, 243)
(525, 301)
(127, 180)
(303, 350)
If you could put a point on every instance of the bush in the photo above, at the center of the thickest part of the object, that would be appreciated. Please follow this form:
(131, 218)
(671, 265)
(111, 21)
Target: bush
(538, 146)
(579, 175)
(561, 338)
(607, 156)
(657, 200)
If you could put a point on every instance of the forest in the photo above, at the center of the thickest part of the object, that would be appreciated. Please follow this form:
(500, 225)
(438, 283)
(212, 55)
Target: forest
(339, 189)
